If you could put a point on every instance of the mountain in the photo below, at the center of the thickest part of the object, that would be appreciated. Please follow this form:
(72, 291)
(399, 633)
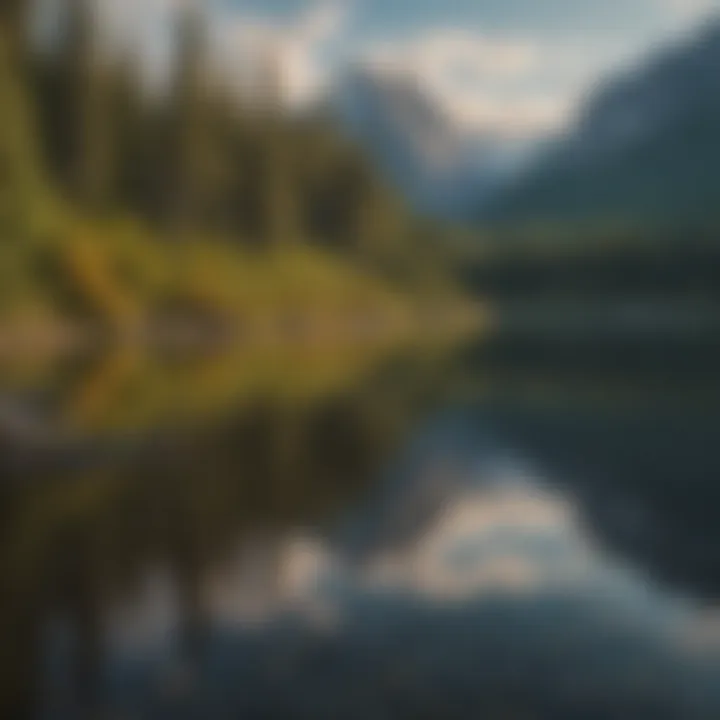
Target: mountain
(442, 169)
(646, 148)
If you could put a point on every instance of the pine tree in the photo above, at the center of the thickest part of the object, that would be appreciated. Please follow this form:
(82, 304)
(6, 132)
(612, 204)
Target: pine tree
(279, 172)
(13, 23)
(130, 139)
(21, 185)
(186, 123)
(281, 191)
(85, 109)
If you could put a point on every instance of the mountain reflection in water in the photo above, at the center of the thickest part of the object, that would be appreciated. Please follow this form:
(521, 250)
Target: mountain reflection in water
(425, 538)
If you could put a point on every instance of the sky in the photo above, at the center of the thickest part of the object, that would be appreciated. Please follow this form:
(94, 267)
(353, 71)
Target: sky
(521, 66)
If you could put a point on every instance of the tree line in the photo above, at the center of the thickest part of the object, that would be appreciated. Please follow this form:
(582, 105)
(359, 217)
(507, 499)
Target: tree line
(191, 160)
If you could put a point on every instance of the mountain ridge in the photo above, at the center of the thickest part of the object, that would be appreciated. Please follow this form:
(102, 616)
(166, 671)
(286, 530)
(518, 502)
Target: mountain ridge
(441, 169)
(645, 147)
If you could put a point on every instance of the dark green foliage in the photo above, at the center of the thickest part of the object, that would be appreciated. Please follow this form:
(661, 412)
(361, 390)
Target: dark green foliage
(645, 149)
(13, 24)
(85, 162)
(183, 198)
(186, 121)
(20, 175)
(195, 160)
(580, 268)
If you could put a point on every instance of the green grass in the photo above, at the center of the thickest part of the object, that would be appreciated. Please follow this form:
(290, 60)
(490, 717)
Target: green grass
(118, 274)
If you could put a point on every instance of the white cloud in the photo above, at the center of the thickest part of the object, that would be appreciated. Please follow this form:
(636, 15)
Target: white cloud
(689, 9)
(509, 116)
(455, 53)
(296, 47)
(521, 86)
(507, 85)
(453, 49)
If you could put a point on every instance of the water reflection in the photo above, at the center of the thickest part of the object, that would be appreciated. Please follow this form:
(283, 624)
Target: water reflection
(372, 550)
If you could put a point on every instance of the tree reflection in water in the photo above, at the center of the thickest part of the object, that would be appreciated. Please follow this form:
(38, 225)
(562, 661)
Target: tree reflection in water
(85, 519)
(321, 555)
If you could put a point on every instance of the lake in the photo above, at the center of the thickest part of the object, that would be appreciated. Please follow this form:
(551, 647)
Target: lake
(501, 529)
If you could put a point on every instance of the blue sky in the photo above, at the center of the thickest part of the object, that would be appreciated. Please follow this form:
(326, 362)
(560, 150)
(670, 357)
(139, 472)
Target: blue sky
(516, 66)
(374, 17)
(520, 65)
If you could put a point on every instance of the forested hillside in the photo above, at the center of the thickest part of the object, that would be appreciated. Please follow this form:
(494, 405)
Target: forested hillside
(120, 200)
(644, 150)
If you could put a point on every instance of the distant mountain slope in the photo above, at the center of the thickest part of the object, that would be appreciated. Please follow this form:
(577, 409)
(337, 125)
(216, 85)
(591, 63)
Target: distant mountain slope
(647, 147)
(440, 168)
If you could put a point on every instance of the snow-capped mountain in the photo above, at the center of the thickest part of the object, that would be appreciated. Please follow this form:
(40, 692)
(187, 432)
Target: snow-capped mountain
(442, 169)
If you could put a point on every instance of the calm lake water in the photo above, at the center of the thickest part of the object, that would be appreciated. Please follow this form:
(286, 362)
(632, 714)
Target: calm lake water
(500, 531)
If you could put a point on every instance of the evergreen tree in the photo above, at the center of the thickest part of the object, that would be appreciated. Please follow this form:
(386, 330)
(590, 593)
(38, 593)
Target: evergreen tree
(186, 123)
(132, 140)
(279, 168)
(193, 160)
(281, 188)
(85, 109)
(13, 23)
(21, 185)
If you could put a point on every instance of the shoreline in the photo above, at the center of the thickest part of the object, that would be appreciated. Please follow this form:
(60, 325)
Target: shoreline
(70, 337)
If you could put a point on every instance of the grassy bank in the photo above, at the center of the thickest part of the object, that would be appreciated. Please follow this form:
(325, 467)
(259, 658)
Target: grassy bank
(182, 217)
(116, 279)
